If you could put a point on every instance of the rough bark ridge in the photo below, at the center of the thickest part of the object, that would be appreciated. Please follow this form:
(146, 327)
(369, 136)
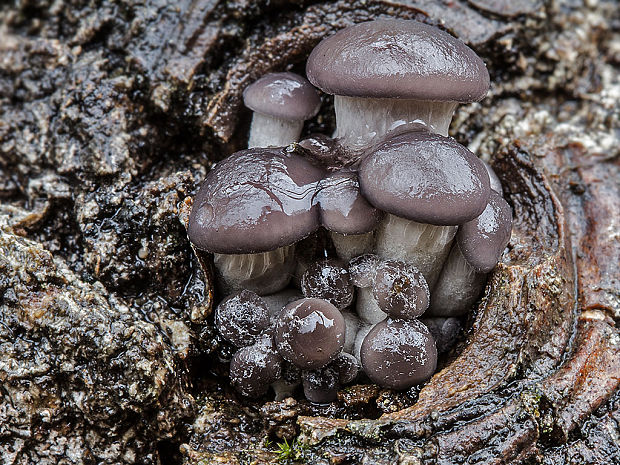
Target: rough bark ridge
(110, 115)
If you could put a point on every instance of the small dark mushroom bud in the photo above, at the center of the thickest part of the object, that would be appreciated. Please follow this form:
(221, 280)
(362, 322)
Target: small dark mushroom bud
(399, 354)
(321, 384)
(281, 102)
(241, 317)
(428, 184)
(347, 366)
(310, 333)
(483, 239)
(400, 290)
(348, 216)
(253, 369)
(250, 210)
(445, 331)
(328, 280)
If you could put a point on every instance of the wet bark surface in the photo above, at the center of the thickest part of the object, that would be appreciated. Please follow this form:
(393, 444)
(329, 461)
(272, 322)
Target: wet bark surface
(111, 113)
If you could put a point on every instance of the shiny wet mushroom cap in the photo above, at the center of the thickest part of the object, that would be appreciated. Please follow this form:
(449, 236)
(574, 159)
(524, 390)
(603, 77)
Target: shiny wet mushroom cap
(400, 290)
(283, 95)
(328, 280)
(343, 208)
(386, 74)
(397, 59)
(241, 317)
(425, 177)
(483, 239)
(310, 333)
(281, 102)
(399, 354)
(255, 201)
(254, 368)
(321, 384)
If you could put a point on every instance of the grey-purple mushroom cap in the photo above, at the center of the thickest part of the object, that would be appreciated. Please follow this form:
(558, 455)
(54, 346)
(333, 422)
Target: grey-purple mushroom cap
(400, 290)
(254, 201)
(283, 95)
(483, 239)
(397, 58)
(425, 177)
(241, 317)
(328, 280)
(343, 208)
(310, 333)
(254, 368)
(399, 354)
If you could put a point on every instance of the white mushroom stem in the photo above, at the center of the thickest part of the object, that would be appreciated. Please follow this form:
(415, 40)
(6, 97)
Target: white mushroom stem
(458, 287)
(263, 273)
(360, 120)
(277, 301)
(352, 324)
(269, 131)
(367, 306)
(425, 246)
(352, 245)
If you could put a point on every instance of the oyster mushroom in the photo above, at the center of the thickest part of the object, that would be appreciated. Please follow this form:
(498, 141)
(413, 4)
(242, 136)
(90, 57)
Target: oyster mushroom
(348, 216)
(241, 318)
(427, 184)
(392, 288)
(328, 280)
(310, 333)
(281, 103)
(254, 368)
(389, 73)
(479, 244)
(400, 290)
(249, 212)
(399, 354)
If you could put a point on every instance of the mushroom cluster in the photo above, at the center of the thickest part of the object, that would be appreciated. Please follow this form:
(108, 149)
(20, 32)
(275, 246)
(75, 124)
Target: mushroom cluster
(411, 221)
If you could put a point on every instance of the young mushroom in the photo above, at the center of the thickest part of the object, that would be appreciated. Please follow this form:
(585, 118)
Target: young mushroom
(310, 333)
(281, 103)
(427, 184)
(241, 318)
(397, 289)
(479, 244)
(328, 280)
(254, 368)
(348, 216)
(389, 73)
(321, 385)
(400, 290)
(249, 212)
(399, 354)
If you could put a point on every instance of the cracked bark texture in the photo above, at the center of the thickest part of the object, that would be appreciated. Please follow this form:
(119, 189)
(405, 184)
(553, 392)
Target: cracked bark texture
(112, 112)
